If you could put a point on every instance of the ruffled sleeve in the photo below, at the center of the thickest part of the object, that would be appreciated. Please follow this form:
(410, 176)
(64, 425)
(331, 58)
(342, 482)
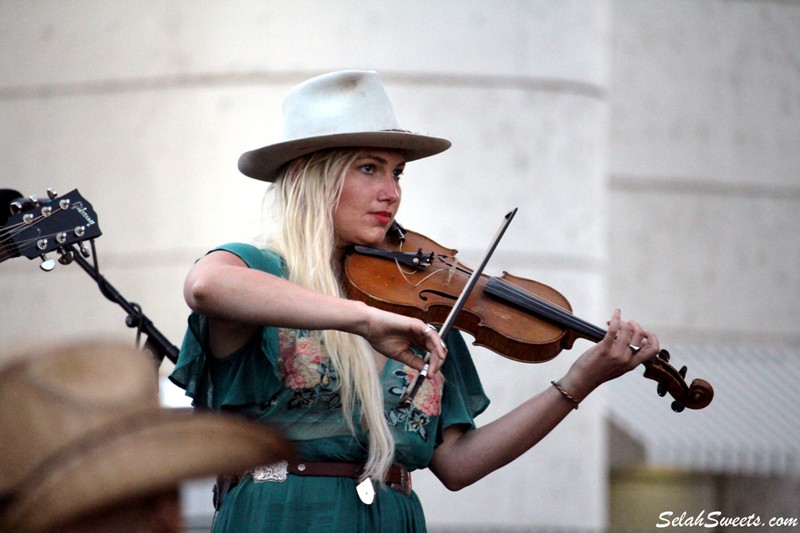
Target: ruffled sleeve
(250, 375)
(463, 398)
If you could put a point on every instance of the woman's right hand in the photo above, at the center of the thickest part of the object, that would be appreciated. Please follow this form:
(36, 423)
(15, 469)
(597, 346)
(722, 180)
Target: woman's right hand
(395, 335)
(221, 286)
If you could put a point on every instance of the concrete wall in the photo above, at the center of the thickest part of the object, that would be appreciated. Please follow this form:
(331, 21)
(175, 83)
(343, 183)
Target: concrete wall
(645, 166)
(145, 108)
(704, 181)
(704, 162)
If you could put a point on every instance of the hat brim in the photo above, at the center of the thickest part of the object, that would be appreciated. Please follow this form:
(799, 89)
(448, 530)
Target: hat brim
(142, 456)
(264, 163)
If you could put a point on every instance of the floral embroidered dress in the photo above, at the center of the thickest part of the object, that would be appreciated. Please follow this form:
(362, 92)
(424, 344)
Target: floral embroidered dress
(282, 377)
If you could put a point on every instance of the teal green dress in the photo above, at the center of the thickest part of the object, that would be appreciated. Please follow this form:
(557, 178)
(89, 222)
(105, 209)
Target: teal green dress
(281, 376)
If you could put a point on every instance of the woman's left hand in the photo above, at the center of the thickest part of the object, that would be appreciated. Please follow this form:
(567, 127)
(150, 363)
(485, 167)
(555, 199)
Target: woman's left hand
(625, 346)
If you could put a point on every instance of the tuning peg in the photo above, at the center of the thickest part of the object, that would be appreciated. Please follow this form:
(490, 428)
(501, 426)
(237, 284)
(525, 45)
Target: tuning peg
(47, 264)
(22, 204)
(52, 194)
(84, 251)
(67, 257)
(682, 371)
(662, 389)
(678, 406)
(664, 355)
(34, 201)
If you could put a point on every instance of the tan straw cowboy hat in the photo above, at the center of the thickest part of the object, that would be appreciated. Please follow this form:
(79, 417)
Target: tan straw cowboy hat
(81, 429)
(346, 109)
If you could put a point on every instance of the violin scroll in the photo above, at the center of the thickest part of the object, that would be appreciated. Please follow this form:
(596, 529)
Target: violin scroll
(695, 396)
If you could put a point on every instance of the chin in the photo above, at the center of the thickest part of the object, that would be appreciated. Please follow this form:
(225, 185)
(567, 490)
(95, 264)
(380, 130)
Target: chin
(373, 238)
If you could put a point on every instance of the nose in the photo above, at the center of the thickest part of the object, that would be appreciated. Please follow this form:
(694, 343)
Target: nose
(390, 190)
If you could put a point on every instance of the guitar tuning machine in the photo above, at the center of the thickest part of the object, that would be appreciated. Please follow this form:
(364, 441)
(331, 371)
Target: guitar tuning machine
(47, 264)
(67, 256)
(84, 251)
(31, 202)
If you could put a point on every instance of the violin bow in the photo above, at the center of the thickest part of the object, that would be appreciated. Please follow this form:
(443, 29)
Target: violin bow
(411, 390)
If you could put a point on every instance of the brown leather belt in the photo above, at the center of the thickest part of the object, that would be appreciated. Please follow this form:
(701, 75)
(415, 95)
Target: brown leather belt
(397, 476)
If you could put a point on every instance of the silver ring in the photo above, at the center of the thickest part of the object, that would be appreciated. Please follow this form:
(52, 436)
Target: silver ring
(635, 349)
(429, 329)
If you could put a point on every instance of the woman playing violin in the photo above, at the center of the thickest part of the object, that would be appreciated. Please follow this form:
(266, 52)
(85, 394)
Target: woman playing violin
(273, 336)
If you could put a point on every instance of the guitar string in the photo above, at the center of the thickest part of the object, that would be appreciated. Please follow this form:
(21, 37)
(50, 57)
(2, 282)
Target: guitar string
(19, 227)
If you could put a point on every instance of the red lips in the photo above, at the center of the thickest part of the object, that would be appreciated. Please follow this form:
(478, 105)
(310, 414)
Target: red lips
(383, 217)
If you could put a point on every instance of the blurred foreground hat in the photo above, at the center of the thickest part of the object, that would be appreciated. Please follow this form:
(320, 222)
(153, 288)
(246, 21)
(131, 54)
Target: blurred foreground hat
(346, 109)
(81, 428)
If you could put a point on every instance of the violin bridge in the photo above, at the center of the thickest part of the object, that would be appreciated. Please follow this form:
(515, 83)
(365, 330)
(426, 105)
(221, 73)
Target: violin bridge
(452, 270)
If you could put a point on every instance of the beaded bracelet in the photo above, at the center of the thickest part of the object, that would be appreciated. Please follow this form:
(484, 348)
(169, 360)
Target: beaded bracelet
(564, 393)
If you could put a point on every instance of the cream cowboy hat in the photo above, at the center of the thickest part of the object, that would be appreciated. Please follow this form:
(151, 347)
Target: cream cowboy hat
(82, 429)
(337, 110)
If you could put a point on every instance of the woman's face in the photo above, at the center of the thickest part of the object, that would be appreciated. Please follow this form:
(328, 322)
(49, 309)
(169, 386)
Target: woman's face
(370, 198)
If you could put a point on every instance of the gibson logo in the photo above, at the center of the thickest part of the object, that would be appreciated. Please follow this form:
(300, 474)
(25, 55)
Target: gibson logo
(78, 206)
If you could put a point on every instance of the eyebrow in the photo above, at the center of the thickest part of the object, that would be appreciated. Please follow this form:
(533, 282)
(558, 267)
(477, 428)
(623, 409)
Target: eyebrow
(369, 155)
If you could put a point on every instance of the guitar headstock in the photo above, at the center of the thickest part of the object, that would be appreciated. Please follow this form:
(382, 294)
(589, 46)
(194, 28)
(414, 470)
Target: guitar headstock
(37, 227)
(695, 396)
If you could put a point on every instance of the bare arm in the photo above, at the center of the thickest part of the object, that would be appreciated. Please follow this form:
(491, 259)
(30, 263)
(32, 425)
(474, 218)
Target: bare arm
(465, 457)
(238, 299)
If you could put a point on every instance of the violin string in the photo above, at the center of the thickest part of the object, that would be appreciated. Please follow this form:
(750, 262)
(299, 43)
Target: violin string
(532, 302)
(566, 318)
(570, 319)
(522, 298)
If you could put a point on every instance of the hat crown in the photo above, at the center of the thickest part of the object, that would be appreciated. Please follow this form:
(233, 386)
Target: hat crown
(59, 400)
(339, 102)
(345, 109)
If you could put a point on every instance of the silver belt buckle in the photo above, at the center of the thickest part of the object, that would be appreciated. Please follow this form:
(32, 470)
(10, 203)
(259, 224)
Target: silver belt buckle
(276, 472)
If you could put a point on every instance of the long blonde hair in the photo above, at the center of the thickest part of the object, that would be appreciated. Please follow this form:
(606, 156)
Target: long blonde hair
(304, 196)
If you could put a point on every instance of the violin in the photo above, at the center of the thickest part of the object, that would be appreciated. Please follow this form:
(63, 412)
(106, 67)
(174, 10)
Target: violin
(518, 318)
